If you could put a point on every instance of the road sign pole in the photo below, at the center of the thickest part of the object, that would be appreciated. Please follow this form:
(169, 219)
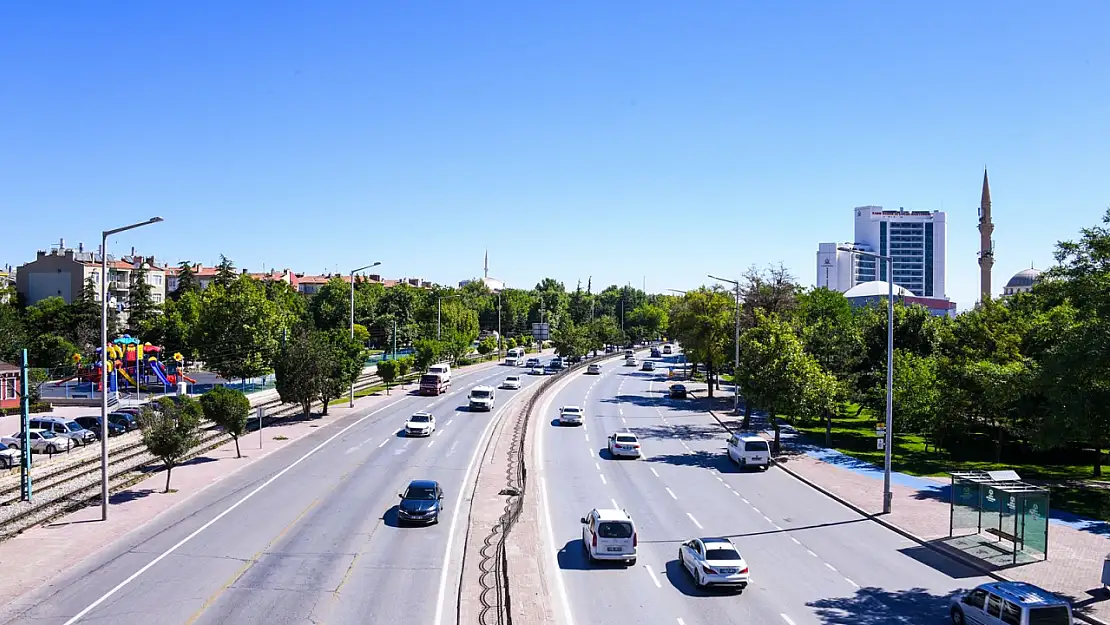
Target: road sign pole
(260, 411)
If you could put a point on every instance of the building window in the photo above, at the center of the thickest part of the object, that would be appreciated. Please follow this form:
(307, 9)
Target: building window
(157, 297)
(156, 279)
(9, 389)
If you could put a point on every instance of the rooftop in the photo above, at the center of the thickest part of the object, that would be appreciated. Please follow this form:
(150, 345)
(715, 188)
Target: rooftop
(876, 288)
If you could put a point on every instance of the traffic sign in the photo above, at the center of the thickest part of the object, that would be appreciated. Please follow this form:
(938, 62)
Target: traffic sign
(881, 442)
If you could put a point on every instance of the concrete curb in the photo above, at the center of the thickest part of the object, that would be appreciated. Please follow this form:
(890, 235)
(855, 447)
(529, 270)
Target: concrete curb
(969, 562)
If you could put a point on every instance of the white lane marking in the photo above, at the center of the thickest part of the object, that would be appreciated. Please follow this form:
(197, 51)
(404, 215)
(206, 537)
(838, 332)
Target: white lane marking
(695, 521)
(602, 476)
(682, 622)
(671, 493)
(597, 466)
(408, 441)
(653, 471)
(787, 619)
(455, 514)
(768, 519)
(756, 510)
(831, 567)
(590, 451)
(382, 444)
(719, 479)
(624, 421)
(654, 578)
(615, 506)
(686, 446)
(452, 449)
(796, 541)
(777, 528)
(851, 582)
(621, 411)
(448, 422)
(587, 435)
(810, 552)
(92, 606)
(431, 443)
(745, 500)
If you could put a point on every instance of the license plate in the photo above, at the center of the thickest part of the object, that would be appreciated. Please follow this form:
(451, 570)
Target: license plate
(616, 549)
(727, 571)
(757, 457)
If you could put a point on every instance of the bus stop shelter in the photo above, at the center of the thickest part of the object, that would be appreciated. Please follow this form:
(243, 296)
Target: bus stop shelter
(998, 518)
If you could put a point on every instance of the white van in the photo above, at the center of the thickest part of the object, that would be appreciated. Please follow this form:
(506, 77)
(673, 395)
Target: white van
(481, 398)
(516, 352)
(749, 450)
(609, 535)
(443, 370)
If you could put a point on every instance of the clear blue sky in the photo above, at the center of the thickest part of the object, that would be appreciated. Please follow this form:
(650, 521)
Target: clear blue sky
(618, 139)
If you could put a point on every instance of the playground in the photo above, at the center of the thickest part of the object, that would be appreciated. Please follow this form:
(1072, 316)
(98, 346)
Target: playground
(132, 366)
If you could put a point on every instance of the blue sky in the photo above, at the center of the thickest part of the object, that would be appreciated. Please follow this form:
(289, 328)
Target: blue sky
(622, 140)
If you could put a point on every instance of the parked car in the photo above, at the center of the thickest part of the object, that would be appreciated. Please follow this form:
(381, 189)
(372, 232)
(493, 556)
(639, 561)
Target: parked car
(1003, 603)
(92, 424)
(678, 391)
(129, 420)
(609, 535)
(42, 441)
(64, 428)
(421, 502)
(714, 562)
(9, 457)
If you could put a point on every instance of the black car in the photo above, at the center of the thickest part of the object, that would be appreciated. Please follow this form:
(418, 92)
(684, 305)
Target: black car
(655, 353)
(92, 424)
(678, 391)
(129, 420)
(421, 502)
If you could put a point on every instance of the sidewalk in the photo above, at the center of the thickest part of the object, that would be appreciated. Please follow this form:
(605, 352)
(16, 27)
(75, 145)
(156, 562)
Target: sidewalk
(920, 511)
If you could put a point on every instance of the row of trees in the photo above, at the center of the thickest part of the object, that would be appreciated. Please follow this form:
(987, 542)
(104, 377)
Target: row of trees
(1031, 370)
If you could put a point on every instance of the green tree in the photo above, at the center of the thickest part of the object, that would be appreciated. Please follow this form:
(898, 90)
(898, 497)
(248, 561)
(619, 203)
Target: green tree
(427, 353)
(342, 362)
(487, 346)
(170, 430)
(404, 366)
(605, 330)
(51, 351)
(330, 307)
(571, 340)
(12, 333)
(702, 322)
(225, 273)
(187, 281)
(387, 371)
(142, 309)
(772, 290)
(646, 322)
(300, 370)
(917, 394)
(229, 409)
(177, 328)
(239, 329)
(829, 334)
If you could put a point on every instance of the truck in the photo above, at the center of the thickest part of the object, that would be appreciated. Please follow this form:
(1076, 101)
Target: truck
(434, 384)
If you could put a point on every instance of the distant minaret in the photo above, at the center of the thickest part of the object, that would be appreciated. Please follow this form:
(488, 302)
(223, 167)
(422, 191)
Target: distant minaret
(485, 272)
(986, 244)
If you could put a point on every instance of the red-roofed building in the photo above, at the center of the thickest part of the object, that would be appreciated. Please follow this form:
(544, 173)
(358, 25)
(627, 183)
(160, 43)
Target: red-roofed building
(9, 385)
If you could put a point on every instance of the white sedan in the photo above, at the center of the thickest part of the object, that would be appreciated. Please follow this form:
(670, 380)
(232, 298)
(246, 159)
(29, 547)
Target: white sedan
(420, 424)
(714, 562)
(42, 441)
(511, 382)
(570, 415)
(624, 444)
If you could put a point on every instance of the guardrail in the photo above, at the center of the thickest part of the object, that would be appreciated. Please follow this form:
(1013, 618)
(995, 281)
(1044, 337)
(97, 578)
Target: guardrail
(76, 484)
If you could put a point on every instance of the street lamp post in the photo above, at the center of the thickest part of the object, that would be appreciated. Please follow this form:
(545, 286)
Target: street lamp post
(888, 437)
(736, 365)
(104, 358)
(351, 404)
(499, 325)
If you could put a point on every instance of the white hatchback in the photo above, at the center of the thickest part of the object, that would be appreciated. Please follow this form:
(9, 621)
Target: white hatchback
(511, 382)
(609, 534)
(714, 562)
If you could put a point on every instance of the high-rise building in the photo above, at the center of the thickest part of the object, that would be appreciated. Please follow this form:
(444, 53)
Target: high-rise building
(916, 240)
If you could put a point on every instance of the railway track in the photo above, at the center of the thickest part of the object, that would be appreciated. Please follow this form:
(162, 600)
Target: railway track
(76, 485)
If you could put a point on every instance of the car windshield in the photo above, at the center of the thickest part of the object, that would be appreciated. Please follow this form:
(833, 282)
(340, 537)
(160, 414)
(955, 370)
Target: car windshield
(420, 418)
(73, 426)
(678, 387)
(46, 434)
(479, 394)
(1050, 615)
(512, 378)
(572, 410)
(626, 438)
(721, 553)
(614, 529)
(421, 493)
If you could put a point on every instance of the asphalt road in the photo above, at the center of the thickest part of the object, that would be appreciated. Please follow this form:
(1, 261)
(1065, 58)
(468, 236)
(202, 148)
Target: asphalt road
(812, 560)
(306, 535)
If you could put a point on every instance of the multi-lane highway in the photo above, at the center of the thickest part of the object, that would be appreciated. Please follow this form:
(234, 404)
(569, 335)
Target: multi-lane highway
(306, 535)
(812, 560)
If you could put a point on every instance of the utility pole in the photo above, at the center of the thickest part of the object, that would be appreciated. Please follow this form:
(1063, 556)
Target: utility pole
(351, 404)
(25, 415)
(499, 325)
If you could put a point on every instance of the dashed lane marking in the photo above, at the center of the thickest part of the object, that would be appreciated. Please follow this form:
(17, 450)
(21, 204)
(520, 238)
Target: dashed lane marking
(787, 619)
(695, 521)
(655, 579)
(831, 567)
(654, 472)
(671, 493)
(602, 476)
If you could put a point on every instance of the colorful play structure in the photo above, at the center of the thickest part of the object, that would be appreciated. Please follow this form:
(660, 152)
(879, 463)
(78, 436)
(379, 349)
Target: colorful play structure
(132, 360)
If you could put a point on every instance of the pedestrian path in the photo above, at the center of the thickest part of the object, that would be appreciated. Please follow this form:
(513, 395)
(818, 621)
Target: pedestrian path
(920, 507)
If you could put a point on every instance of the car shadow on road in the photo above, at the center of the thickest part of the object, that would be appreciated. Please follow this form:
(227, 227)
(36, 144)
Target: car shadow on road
(702, 459)
(572, 557)
(876, 606)
(391, 519)
(680, 578)
(684, 431)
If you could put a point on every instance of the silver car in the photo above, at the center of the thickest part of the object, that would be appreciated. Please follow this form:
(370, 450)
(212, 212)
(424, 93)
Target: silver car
(42, 441)
(714, 562)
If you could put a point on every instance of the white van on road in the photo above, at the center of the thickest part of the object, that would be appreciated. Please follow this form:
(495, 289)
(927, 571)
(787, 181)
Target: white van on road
(443, 369)
(609, 535)
(749, 450)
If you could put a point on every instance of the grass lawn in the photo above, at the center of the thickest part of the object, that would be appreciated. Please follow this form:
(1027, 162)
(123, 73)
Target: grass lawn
(855, 436)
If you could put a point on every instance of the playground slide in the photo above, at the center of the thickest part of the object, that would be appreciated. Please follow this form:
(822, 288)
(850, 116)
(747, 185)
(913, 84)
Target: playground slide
(127, 376)
(64, 380)
(187, 378)
(159, 372)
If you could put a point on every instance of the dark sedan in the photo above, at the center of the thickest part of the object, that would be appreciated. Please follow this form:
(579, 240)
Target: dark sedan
(92, 424)
(678, 391)
(129, 420)
(421, 502)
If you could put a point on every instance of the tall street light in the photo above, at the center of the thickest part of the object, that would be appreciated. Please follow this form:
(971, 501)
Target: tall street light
(104, 358)
(889, 435)
(678, 291)
(736, 365)
(351, 404)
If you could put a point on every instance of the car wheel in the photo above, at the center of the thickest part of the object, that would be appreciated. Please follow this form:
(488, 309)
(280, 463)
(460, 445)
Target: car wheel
(957, 616)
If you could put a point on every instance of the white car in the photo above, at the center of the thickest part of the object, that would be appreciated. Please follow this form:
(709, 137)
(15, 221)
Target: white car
(9, 458)
(570, 415)
(511, 382)
(624, 444)
(537, 370)
(42, 441)
(533, 362)
(714, 562)
(420, 424)
(630, 361)
(594, 369)
(609, 535)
